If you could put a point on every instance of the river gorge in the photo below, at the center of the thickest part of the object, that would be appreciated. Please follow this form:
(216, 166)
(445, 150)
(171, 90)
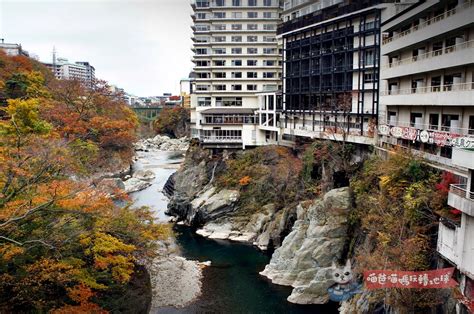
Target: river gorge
(232, 282)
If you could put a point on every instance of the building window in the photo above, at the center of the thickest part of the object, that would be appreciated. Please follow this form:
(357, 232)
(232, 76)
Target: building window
(252, 27)
(204, 101)
(219, 51)
(200, 16)
(236, 3)
(434, 121)
(251, 74)
(252, 51)
(237, 87)
(251, 62)
(219, 63)
(236, 74)
(219, 87)
(269, 51)
(220, 27)
(269, 39)
(219, 39)
(252, 3)
(202, 3)
(268, 15)
(369, 77)
(269, 74)
(236, 51)
(369, 57)
(268, 3)
(252, 39)
(201, 51)
(202, 28)
(471, 125)
(219, 3)
(252, 87)
(237, 63)
(219, 75)
(269, 62)
(252, 15)
(236, 27)
(236, 39)
(269, 27)
(236, 15)
(448, 121)
(202, 87)
(414, 116)
(219, 15)
(229, 101)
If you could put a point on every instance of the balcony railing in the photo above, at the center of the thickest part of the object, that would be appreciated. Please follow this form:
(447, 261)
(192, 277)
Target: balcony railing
(430, 89)
(431, 54)
(221, 139)
(426, 23)
(429, 127)
(461, 190)
(229, 119)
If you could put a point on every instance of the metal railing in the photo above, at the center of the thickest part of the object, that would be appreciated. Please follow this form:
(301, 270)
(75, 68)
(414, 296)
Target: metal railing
(430, 89)
(461, 190)
(431, 54)
(429, 127)
(221, 139)
(426, 23)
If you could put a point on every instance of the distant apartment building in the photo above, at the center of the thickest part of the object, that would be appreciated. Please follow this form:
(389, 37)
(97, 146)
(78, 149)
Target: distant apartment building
(12, 49)
(236, 56)
(185, 90)
(65, 70)
(331, 54)
(427, 105)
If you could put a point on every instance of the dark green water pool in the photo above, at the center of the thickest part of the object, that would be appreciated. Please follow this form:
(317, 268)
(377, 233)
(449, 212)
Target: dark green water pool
(232, 284)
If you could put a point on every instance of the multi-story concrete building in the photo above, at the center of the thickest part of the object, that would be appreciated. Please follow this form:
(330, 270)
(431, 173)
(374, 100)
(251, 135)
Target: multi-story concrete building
(427, 105)
(236, 55)
(65, 70)
(331, 68)
(12, 49)
(427, 79)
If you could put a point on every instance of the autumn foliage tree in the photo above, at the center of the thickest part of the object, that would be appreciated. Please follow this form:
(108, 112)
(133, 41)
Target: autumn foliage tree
(395, 213)
(172, 121)
(63, 244)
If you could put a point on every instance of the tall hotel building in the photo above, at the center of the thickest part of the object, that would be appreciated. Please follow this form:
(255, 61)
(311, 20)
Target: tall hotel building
(331, 55)
(236, 57)
(427, 98)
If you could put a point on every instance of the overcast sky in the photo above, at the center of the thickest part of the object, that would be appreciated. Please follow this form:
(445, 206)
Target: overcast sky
(142, 46)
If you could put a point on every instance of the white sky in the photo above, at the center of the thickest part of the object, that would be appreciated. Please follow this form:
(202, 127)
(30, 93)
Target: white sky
(142, 46)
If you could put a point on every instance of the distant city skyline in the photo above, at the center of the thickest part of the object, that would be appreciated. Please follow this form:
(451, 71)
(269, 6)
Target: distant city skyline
(142, 46)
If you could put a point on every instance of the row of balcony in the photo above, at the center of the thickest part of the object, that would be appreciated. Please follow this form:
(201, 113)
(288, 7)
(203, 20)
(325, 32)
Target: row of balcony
(229, 119)
(451, 20)
(235, 4)
(429, 22)
(429, 127)
(429, 89)
(431, 54)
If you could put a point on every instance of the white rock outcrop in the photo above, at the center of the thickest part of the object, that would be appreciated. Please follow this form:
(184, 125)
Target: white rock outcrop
(317, 238)
(162, 142)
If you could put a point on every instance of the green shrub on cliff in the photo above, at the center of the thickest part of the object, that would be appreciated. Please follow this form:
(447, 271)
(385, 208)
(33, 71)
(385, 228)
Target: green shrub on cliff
(264, 175)
(395, 203)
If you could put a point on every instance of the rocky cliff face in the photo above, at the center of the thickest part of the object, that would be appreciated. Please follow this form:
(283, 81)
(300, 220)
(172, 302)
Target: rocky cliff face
(307, 236)
(304, 259)
(196, 200)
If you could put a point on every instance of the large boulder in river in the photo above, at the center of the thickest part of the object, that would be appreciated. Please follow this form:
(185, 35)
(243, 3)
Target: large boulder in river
(146, 175)
(317, 239)
(134, 185)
